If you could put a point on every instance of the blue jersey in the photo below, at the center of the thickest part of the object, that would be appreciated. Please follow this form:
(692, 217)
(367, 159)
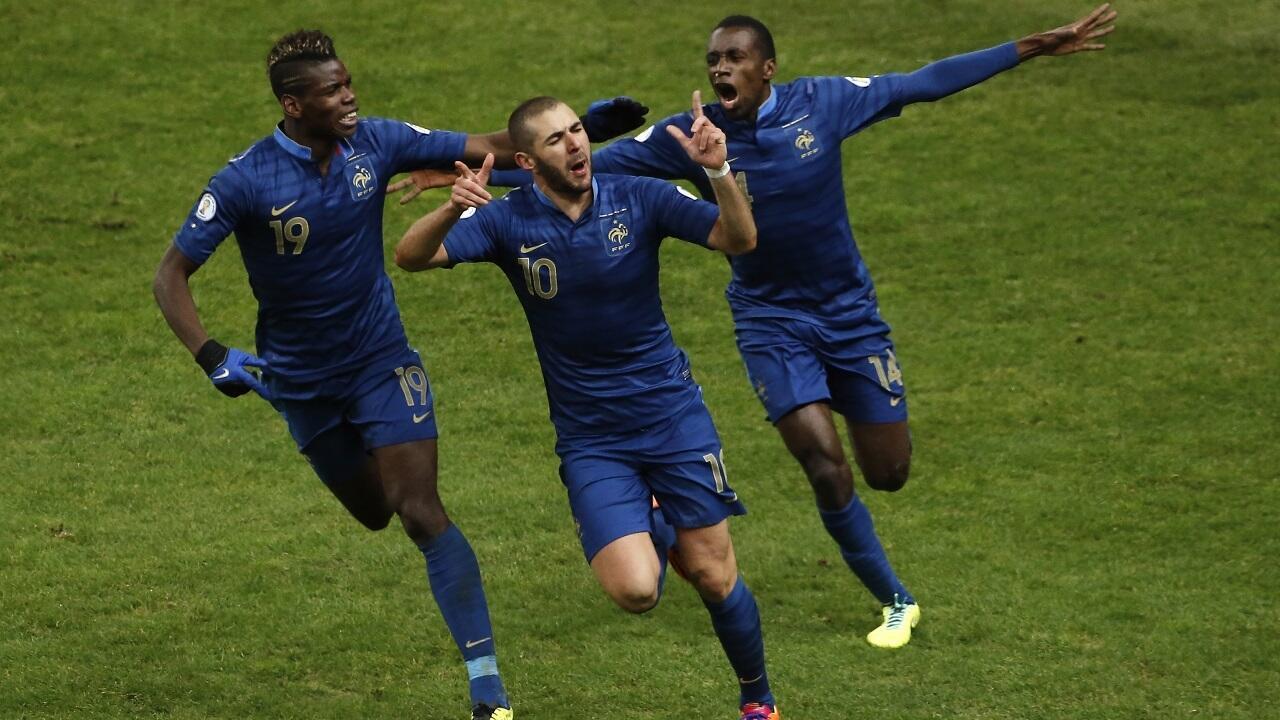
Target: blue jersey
(806, 265)
(312, 244)
(590, 293)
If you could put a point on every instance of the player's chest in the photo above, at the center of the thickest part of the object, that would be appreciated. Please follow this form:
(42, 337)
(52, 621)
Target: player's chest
(599, 255)
(304, 212)
(798, 155)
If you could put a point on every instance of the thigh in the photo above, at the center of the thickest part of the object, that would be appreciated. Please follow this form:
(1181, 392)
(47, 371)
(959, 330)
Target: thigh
(883, 453)
(607, 497)
(341, 462)
(707, 557)
(810, 435)
(628, 569)
(684, 467)
(391, 402)
(781, 364)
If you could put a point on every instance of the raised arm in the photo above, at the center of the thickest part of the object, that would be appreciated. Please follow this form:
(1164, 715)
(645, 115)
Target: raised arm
(735, 231)
(422, 246)
(946, 77)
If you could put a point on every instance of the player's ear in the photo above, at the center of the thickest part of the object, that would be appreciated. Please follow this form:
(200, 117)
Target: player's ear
(291, 106)
(524, 161)
(770, 67)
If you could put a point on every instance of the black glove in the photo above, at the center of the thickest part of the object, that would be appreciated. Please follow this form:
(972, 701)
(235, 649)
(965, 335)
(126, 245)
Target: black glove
(607, 119)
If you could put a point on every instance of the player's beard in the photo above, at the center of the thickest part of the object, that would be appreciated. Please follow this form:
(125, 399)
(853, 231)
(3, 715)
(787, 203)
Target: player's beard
(560, 181)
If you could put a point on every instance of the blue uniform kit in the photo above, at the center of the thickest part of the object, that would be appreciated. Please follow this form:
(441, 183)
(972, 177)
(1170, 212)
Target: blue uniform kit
(328, 326)
(629, 418)
(807, 321)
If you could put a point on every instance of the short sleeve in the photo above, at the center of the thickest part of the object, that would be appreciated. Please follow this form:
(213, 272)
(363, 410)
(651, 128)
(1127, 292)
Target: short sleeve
(858, 102)
(652, 153)
(410, 147)
(679, 213)
(474, 238)
(225, 201)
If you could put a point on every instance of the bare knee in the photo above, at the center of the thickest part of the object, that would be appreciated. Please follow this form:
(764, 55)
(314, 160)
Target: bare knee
(830, 477)
(890, 477)
(714, 583)
(637, 596)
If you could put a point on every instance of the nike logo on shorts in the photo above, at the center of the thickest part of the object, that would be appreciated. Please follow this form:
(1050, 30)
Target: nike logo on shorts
(419, 418)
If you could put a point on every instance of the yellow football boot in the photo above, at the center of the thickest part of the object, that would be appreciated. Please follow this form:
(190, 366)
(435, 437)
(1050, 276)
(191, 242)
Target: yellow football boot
(895, 631)
(485, 712)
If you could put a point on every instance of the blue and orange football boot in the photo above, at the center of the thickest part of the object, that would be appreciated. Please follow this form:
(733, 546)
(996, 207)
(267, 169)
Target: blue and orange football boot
(759, 711)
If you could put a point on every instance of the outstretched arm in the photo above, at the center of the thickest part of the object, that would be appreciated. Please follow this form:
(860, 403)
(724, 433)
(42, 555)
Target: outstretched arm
(946, 77)
(735, 230)
(422, 247)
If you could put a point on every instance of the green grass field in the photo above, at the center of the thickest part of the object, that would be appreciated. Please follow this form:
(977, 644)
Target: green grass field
(1080, 260)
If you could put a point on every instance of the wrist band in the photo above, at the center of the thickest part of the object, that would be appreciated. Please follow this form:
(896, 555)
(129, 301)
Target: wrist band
(718, 173)
(211, 355)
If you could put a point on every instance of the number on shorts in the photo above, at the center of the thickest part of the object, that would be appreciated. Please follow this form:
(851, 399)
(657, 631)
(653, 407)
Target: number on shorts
(717, 469)
(413, 380)
(887, 370)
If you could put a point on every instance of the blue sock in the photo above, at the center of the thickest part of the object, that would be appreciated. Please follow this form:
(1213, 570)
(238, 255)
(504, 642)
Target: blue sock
(664, 538)
(855, 533)
(454, 575)
(737, 623)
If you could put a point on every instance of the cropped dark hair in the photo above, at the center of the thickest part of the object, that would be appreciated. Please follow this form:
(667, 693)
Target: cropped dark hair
(518, 124)
(293, 53)
(764, 38)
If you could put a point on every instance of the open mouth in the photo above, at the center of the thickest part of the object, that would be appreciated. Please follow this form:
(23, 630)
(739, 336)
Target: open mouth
(727, 93)
(349, 120)
(579, 168)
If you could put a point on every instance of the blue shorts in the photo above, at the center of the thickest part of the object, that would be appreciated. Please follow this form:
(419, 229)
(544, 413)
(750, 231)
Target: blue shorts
(388, 402)
(792, 363)
(612, 479)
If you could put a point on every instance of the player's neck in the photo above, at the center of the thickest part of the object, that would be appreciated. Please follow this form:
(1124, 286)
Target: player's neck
(322, 148)
(571, 204)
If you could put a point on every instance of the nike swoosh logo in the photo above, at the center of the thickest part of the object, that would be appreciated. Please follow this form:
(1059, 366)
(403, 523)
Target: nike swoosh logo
(276, 211)
(473, 643)
(748, 682)
(527, 249)
(221, 374)
(893, 402)
(417, 419)
(733, 159)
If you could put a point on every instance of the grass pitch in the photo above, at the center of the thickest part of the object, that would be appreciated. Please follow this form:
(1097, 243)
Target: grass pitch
(1079, 259)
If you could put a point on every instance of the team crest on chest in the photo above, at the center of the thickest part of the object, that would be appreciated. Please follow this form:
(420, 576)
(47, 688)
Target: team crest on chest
(806, 143)
(361, 179)
(617, 234)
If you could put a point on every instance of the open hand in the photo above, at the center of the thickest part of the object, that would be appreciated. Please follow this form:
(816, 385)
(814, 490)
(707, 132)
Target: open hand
(1081, 35)
(420, 180)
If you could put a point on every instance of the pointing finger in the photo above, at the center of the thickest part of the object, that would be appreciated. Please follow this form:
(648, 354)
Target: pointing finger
(697, 104)
(485, 168)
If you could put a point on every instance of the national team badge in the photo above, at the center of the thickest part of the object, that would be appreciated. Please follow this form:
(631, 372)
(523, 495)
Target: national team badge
(617, 234)
(362, 181)
(806, 143)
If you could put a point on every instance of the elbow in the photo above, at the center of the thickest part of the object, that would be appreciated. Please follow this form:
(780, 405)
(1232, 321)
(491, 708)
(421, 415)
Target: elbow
(744, 244)
(406, 261)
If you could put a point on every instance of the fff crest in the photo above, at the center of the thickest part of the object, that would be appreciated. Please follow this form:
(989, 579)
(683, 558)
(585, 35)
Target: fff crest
(617, 235)
(805, 142)
(361, 179)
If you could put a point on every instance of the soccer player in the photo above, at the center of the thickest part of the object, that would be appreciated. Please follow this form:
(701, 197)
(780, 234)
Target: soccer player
(305, 204)
(581, 253)
(805, 313)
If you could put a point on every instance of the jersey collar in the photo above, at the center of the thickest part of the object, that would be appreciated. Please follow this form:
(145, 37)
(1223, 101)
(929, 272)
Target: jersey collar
(302, 152)
(768, 107)
(542, 198)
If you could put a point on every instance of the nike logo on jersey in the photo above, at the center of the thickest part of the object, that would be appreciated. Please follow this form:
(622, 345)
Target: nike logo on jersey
(419, 418)
(275, 212)
(223, 373)
(527, 249)
(473, 643)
